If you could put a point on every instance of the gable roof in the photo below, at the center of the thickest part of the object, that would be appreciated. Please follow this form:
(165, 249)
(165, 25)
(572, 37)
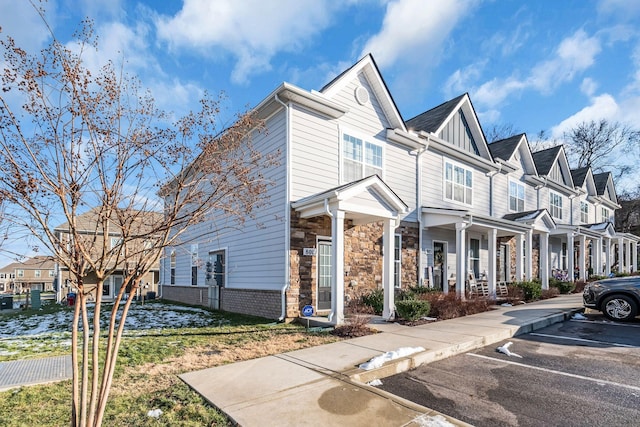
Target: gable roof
(89, 221)
(432, 120)
(368, 67)
(504, 148)
(601, 180)
(579, 175)
(545, 159)
(34, 263)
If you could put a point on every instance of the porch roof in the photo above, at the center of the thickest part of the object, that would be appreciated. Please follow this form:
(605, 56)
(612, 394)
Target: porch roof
(447, 218)
(365, 200)
(577, 230)
(539, 219)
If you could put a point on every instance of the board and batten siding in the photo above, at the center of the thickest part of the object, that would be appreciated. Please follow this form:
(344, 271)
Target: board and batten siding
(255, 250)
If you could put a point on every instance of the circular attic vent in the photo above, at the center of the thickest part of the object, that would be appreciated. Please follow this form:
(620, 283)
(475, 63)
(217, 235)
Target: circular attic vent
(362, 95)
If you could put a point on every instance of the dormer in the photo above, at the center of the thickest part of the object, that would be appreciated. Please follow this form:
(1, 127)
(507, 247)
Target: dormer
(553, 167)
(606, 196)
(514, 154)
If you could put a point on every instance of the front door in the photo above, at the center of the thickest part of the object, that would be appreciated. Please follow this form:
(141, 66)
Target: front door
(439, 265)
(324, 275)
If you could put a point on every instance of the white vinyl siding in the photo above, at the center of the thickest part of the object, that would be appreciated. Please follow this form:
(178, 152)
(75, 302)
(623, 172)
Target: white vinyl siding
(516, 196)
(555, 205)
(458, 184)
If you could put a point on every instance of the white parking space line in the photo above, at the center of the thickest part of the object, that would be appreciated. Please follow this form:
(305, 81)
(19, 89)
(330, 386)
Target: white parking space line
(583, 340)
(551, 371)
(607, 322)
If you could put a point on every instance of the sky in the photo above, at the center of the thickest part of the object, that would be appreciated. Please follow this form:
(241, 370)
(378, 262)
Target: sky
(543, 65)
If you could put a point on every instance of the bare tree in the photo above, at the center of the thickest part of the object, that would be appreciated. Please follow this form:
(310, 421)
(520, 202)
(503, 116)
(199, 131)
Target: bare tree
(503, 131)
(76, 140)
(600, 144)
(628, 216)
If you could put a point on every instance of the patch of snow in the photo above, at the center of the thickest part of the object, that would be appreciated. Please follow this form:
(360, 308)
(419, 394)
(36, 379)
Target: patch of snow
(432, 421)
(505, 350)
(375, 383)
(378, 361)
(579, 316)
(506, 304)
(154, 413)
(430, 319)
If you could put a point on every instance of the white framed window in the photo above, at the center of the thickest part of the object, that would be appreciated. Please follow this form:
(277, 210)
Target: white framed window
(458, 183)
(397, 261)
(172, 279)
(555, 205)
(563, 257)
(20, 273)
(605, 215)
(584, 212)
(37, 273)
(360, 158)
(474, 257)
(516, 196)
(52, 273)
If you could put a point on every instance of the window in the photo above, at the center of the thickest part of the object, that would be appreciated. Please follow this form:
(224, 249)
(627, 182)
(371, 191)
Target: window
(173, 268)
(37, 273)
(563, 256)
(605, 215)
(397, 261)
(357, 163)
(20, 273)
(555, 205)
(194, 264)
(458, 183)
(52, 273)
(516, 196)
(584, 212)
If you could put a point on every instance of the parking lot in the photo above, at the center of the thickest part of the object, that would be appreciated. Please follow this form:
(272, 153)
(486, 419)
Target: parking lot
(579, 372)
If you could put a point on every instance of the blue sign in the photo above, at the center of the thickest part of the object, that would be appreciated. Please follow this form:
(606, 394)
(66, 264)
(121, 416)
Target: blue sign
(307, 310)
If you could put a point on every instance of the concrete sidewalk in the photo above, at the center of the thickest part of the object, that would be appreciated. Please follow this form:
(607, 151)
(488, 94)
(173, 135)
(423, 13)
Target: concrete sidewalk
(323, 385)
(20, 373)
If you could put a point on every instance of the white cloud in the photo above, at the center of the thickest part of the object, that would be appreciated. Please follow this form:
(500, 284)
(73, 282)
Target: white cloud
(602, 107)
(25, 26)
(251, 31)
(588, 86)
(414, 31)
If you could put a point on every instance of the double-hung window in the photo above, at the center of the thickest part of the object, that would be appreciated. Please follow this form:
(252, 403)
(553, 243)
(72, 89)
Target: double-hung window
(397, 261)
(516, 196)
(361, 158)
(555, 205)
(194, 264)
(584, 212)
(605, 215)
(458, 183)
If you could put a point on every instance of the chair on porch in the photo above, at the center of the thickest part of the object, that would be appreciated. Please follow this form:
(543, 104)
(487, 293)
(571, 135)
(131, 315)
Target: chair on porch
(477, 289)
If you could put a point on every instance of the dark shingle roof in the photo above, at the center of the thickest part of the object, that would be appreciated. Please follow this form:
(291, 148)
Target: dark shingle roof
(578, 176)
(544, 159)
(504, 148)
(521, 215)
(601, 180)
(431, 120)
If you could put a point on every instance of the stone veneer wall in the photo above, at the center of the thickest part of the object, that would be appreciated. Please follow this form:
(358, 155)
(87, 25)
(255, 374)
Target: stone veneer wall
(363, 258)
(535, 262)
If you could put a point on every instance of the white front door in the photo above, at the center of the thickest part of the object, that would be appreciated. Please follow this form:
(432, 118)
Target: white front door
(324, 275)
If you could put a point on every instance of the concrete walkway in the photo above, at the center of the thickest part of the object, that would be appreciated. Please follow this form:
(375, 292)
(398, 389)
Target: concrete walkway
(323, 385)
(35, 371)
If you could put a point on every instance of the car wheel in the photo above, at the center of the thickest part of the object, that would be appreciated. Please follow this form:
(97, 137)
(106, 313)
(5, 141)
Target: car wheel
(619, 307)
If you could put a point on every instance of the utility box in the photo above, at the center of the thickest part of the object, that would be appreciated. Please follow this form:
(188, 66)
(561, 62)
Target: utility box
(36, 303)
(6, 302)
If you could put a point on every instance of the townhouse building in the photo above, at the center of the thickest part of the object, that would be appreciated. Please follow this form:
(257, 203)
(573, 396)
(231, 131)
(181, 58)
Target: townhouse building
(36, 273)
(363, 200)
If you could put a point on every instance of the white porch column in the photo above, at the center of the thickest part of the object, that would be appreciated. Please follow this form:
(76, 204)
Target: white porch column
(519, 267)
(461, 257)
(627, 257)
(544, 260)
(597, 246)
(529, 256)
(582, 258)
(621, 255)
(607, 256)
(634, 256)
(389, 307)
(492, 237)
(337, 267)
(570, 257)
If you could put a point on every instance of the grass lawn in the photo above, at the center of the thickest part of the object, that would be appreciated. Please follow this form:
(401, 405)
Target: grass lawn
(161, 341)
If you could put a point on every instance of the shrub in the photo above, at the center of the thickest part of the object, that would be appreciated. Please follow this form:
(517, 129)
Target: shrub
(562, 287)
(355, 325)
(578, 286)
(450, 306)
(412, 309)
(375, 300)
(550, 293)
(531, 290)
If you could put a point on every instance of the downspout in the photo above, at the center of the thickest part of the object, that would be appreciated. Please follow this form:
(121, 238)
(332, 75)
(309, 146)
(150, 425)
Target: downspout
(419, 212)
(287, 214)
(328, 212)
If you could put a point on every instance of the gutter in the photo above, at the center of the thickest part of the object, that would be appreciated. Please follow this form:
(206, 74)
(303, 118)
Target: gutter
(287, 215)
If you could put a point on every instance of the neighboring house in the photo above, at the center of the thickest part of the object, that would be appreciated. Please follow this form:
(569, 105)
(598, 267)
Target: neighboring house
(364, 200)
(90, 228)
(37, 273)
